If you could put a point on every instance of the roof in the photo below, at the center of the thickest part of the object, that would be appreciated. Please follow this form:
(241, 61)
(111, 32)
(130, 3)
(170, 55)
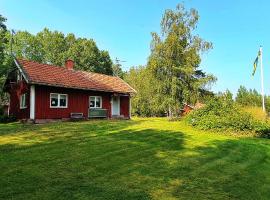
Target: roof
(51, 75)
(189, 105)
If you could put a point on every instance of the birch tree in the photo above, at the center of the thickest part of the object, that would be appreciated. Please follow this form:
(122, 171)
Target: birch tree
(176, 56)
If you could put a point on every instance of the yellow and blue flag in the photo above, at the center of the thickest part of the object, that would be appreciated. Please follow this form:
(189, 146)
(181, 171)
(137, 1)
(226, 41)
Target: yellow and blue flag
(256, 63)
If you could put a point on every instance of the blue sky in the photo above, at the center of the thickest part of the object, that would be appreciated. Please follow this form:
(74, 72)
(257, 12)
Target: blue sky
(235, 27)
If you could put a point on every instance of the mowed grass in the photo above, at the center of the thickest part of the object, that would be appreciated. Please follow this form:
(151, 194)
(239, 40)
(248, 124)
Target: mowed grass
(147, 158)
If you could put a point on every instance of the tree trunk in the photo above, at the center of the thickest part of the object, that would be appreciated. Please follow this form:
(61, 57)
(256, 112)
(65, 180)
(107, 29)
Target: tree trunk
(170, 113)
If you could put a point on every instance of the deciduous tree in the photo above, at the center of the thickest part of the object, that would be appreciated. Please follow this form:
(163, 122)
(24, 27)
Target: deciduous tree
(54, 47)
(176, 56)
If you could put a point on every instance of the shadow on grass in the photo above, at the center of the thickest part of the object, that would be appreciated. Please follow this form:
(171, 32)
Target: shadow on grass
(111, 161)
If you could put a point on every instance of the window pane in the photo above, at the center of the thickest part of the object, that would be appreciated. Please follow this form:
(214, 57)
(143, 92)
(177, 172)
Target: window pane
(98, 102)
(63, 100)
(54, 100)
(23, 101)
(92, 102)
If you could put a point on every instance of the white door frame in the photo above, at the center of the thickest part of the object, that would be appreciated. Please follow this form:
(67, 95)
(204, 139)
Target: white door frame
(32, 102)
(118, 97)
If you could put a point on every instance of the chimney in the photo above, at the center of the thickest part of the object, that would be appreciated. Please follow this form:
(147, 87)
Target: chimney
(69, 64)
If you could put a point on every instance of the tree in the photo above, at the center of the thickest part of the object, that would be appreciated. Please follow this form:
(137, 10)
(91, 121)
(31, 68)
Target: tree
(54, 47)
(251, 97)
(242, 96)
(25, 45)
(106, 65)
(4, 57)
(175, 58)
(146, 102)
(117, 70)
(3, 40)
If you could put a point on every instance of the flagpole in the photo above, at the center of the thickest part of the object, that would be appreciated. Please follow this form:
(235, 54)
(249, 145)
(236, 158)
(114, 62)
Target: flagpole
(262, 87)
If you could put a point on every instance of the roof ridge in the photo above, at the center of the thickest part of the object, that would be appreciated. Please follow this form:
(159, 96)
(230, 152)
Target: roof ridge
(63, 67)
(54, 75)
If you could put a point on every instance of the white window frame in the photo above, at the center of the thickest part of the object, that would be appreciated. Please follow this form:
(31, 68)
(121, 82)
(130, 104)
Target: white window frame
(96, 101)
(58, 100)
(23, 101)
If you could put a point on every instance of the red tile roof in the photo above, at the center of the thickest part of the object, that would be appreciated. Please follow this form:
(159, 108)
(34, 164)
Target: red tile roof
(44, 74)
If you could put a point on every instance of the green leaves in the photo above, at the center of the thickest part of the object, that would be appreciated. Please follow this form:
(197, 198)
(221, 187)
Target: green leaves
(172, 75)
(175, 58)
(221, 113)
(54, 47)
(147, 101)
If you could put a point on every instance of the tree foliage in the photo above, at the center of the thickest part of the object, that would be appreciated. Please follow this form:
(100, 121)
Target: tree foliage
(3, 44)
(251, 97)
(54, 47)
(175, 58)
(146, 102)
(172, 75)
(117, 70)
(4, 58)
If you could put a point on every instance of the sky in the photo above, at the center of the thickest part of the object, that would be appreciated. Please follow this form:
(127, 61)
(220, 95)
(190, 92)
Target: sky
(236, 28)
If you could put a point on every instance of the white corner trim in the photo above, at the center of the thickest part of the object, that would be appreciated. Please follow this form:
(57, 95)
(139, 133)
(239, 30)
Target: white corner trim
(32, 101)
(19, 68)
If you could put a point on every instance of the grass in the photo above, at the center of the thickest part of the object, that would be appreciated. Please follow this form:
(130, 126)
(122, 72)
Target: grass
(256, 112)
(136, 159)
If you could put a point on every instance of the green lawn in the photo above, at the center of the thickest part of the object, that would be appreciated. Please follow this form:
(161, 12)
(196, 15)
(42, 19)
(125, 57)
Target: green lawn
(136, 159)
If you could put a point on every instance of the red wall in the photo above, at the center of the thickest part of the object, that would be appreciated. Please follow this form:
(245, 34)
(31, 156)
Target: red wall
(15, 91)
(78, 101)
(187, 109)
(124, 106)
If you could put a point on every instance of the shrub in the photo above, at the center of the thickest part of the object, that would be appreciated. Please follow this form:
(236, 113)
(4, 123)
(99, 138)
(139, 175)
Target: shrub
(7, 119)
(220, 114)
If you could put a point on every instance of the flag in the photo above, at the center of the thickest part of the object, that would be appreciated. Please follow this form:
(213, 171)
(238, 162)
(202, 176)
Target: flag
(256, 63)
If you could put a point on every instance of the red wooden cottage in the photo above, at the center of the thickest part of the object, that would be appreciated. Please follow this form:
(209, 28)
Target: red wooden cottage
(41, 91)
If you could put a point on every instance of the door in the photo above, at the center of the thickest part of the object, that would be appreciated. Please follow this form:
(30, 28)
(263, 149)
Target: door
(116, 105)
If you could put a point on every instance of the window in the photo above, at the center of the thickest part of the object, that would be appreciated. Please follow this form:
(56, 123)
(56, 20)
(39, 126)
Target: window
(95, 102)
(63, 100)
(58, 100)
(54, 100)
(23, 101)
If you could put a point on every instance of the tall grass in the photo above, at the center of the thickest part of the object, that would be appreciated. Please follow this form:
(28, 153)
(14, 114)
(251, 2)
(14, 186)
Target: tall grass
(256, 112)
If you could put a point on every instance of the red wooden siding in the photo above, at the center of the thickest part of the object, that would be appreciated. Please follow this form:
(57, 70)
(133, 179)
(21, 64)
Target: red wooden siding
(186, 109)
(15, 91)
(124, 106)
(78, 101)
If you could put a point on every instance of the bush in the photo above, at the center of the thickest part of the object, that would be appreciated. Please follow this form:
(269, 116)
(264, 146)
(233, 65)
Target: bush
(7, 119)
(262, 129)
(220, 114)
(1, 110)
